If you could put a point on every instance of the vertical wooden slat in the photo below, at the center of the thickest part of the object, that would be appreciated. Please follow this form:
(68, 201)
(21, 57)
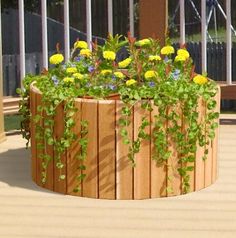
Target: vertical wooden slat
(107, 147)
(32, 135)
(49, 150)
(216, 142)
(174, 179)
(208, 165)
(39, 160)
(59, 185)
(158, 171)
(90, 183)
(199, 163)
(72, 161)
(142, 159)
(124, 171)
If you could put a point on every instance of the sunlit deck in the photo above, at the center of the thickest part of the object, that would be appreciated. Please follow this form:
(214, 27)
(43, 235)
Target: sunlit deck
(27, 210)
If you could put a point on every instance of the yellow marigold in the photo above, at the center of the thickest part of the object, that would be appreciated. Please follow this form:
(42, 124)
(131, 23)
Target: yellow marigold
(150, 74)
(78, 75)
(85, 52)
(154, 58)
(180, 58)
(71, 70)
(80, 44)
(56, 59)
(125, 63)
(200, 79)
(106, 71)
(109, 55)
(143, 42)
(131, 82)
(119, 75)
(167, 50)
(183, 53)
(69, 80)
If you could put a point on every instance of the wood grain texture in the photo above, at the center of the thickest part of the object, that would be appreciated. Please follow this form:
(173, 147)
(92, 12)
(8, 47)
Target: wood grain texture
(174, 180)
(90, 114)
(142, 158)
(73, 151)
(124, 170)
(215, 144)
(40, 142)
(32, 135)
(59, 184)
(158, 170)
(199, 163)
(107, 147)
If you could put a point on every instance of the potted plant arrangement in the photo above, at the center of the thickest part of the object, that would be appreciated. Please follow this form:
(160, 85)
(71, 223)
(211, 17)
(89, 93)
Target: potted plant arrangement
(141, 127)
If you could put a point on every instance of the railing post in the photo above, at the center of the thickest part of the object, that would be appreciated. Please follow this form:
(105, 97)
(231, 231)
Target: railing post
(67, 30)
(229, 43)
(204, 36)
(2, 134)
(22, 39)
(182, 22)
(44, 33)
(110, 16)
(89, 22)
(153, 19)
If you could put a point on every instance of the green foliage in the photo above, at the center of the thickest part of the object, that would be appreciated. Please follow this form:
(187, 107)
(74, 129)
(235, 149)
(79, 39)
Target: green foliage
(164, 86)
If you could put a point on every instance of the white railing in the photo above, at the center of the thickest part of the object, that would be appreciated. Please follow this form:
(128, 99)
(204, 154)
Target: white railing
(204, 25)
(203, 17)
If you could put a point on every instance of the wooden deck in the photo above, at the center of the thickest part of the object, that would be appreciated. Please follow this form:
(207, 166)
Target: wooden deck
(29, 211)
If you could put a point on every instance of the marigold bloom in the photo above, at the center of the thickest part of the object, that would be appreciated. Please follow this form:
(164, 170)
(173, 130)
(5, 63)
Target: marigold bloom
(167, 50)
(71, 70)
(150, 74)
(78, 75)
(200, 79)
(143, 42)
(180, 58)
(183, 53)
(154, 58)
(69, 80)
(131, 82)
(119, 75)
(109, 55)
(85, 52)
(106, 71)
(80, 44)
(56, 59)
(125, 63)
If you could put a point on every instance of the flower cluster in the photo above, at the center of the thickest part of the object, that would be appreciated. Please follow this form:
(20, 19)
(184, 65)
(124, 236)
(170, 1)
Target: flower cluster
(99, 72)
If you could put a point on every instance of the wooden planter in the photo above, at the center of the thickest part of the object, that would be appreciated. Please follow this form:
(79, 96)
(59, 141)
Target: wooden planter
(109, 173)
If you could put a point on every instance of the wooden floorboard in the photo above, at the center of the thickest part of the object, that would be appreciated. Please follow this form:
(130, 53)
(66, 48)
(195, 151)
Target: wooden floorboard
(27, 210)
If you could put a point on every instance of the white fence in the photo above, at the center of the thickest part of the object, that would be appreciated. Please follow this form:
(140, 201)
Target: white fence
(110, 30)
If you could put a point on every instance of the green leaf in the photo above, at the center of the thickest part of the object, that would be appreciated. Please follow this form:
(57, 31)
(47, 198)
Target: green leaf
(62, 177)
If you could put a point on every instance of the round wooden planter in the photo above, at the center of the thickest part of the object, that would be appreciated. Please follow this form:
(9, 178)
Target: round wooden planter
(109, 173)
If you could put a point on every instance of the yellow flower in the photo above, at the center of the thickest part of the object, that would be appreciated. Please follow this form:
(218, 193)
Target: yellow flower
(131, 82)
(85, 52)
(180, 58)
(143, 42)
(200, 79)
(69, 80)
(80, 44)
(119, 75)
(125, 63)
(78, 75)
(167, 50)
(154, 58)
(109, 55)
(183, 53)
(106, 71)
(56, 59)
(71, 70)
(150, 74)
